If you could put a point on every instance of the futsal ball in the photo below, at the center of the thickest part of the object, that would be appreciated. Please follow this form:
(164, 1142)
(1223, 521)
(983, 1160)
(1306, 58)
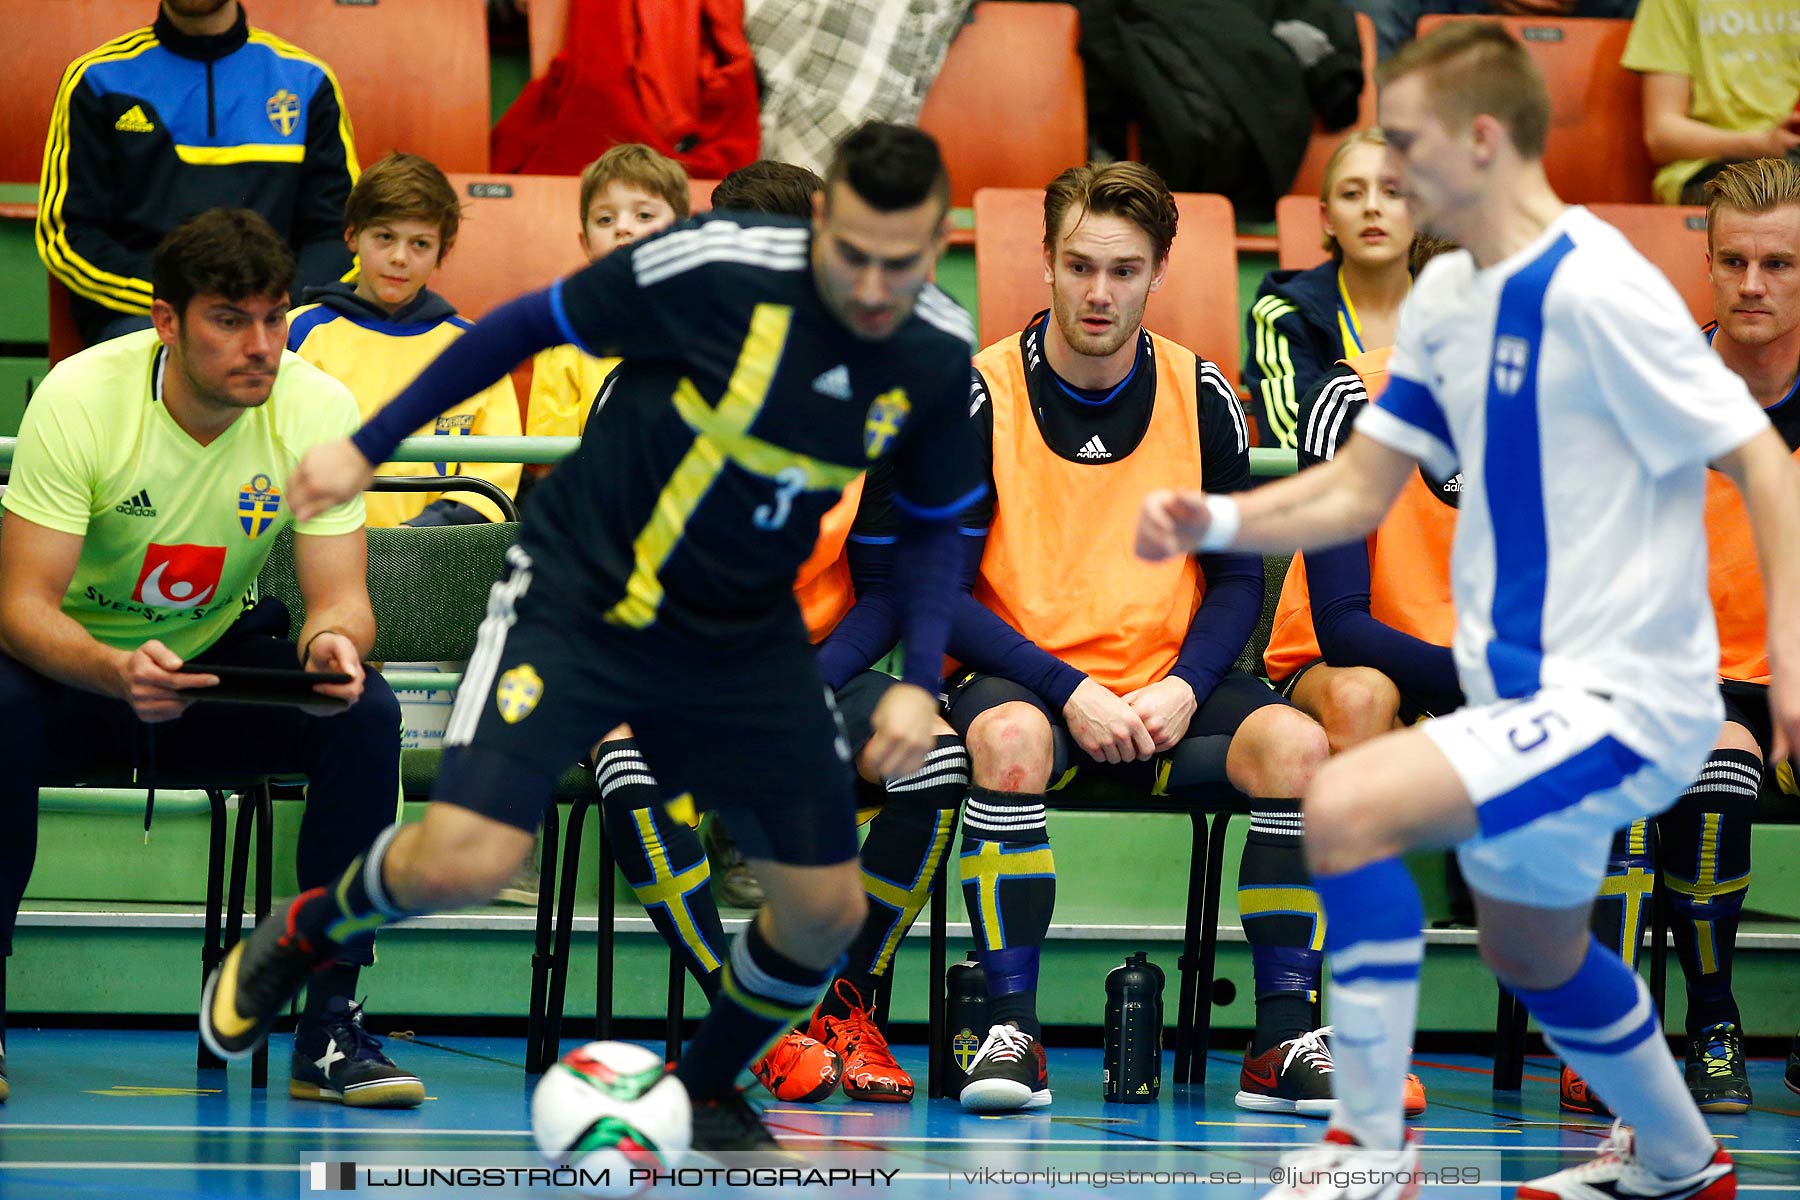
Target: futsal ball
(608, 1110)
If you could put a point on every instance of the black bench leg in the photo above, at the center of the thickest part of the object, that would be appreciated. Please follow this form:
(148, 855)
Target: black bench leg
(603, 943)
(265, 883)
(1209, 948)
(1189, 962)
(1509, 1043)
(565, 930)
(542, 962)
(673, 1014)
(936, 1032)
(211, 951)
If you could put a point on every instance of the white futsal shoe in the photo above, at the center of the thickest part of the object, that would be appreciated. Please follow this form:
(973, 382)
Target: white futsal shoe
(1342, 1168)
(1614, 1173)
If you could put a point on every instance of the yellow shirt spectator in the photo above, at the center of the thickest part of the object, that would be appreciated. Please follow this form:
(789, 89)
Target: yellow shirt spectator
(564, 382)
(375, 354)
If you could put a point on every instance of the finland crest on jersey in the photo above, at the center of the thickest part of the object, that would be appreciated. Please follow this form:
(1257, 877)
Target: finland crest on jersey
(1512, 354)
(1570, 386)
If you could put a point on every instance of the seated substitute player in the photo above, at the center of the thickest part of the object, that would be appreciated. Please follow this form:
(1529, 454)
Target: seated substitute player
(1543, 356)
(1703, 843)
(145, 495)
(845, 592)
(374, 336)
(1361, 638)
(653, 583)
(627, 194)
(1081, 657)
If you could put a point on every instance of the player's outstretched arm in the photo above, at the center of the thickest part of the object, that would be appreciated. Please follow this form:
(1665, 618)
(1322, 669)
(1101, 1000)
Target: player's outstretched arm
(329, 474)
(1770, 483)
(1334, 502)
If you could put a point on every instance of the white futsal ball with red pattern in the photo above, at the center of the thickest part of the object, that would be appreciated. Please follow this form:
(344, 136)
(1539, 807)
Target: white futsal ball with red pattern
(607, 1109)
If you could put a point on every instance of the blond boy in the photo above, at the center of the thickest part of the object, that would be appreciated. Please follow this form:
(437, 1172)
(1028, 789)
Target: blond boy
(628, 193)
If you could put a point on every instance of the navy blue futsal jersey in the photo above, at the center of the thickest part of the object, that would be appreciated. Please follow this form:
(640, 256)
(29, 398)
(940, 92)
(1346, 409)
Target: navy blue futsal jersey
(741, 411)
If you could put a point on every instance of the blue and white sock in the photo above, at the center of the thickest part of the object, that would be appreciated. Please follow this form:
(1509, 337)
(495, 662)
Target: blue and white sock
(1603, 1024)
(1375, 943)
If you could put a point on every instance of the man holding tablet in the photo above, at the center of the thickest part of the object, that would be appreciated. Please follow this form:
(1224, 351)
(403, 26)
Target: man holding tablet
(147, 489)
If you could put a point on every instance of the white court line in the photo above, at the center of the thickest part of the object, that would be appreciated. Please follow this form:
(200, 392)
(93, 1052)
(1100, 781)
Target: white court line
(909, 1176)
(853, 1139)
(52, 1127)
(159, 1166)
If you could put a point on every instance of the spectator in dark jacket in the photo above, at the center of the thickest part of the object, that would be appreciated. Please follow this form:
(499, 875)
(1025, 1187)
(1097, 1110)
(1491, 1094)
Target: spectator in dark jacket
(1304, 321)
(195, 111)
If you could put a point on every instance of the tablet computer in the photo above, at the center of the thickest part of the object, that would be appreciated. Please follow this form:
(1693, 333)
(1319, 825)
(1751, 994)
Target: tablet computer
(264, 685)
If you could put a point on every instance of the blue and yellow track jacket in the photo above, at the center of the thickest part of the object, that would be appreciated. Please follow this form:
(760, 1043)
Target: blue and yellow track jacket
(156, 126)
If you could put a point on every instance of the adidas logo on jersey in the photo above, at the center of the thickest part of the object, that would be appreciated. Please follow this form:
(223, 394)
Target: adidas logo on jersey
(137, 506)
(134, 121)
(1093, 448)
(834, 383)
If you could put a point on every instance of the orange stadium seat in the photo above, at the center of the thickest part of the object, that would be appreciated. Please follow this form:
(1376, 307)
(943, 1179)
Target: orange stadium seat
(1595, 152)
(1318, 150)
(414, 72)
(1197, 305)
(1009, 109)
(502, 250)
(1673, 238)
(1298, 233)
(519, 232)
(65, 339)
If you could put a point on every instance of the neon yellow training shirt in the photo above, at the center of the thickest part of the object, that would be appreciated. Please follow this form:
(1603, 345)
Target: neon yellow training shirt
(173, 532)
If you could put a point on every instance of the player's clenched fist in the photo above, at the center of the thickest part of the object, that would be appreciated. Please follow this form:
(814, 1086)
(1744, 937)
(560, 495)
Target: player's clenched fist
(328, 475)
(904, 728)
(1171, 523)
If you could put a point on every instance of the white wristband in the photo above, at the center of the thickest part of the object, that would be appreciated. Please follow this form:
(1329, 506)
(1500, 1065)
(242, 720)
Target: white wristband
(1222, 524)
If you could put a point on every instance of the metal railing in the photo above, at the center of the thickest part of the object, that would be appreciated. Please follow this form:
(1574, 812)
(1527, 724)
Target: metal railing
(1264, 464)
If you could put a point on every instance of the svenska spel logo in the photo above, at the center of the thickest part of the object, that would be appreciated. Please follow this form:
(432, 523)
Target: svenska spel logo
(182, 576)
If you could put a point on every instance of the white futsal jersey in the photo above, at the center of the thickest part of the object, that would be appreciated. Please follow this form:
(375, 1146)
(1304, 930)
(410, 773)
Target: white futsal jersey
(1570, 386)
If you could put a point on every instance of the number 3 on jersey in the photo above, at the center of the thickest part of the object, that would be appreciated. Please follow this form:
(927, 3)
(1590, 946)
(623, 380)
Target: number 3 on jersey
(787, 485)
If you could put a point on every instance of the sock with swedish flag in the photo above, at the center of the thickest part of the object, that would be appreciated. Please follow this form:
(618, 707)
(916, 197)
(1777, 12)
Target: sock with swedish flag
(1009, 888)
(662, 859)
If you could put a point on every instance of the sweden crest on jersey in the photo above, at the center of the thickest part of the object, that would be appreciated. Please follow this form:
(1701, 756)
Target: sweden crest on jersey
(259, 503)
(519, 691)
(886, 416)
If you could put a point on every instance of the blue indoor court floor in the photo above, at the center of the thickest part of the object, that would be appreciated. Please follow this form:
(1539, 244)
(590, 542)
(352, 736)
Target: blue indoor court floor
(125, 1114)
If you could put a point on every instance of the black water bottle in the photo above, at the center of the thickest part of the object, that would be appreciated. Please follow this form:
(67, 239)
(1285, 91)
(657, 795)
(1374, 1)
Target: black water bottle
(965, 1017)
(1134, 1025)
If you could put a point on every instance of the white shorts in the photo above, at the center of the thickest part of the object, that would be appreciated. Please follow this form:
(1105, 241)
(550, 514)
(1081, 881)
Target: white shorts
(1551, 781)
